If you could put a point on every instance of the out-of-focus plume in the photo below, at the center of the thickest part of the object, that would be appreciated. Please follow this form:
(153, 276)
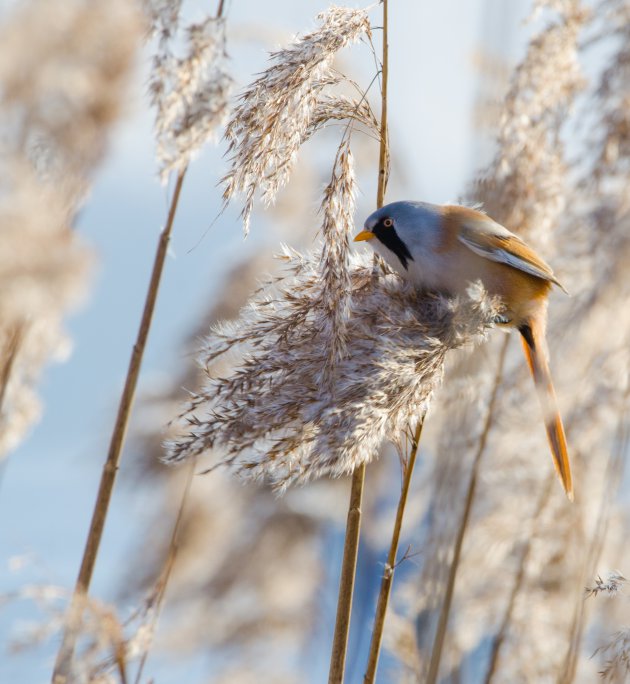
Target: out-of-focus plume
(190, 93)
(524, 186)
(63, 68)
(109, 643)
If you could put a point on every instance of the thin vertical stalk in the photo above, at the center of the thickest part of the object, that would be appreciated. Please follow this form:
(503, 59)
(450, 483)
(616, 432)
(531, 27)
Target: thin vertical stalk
(353, 524)
(499, 639)
(108, 478)
(165, 575)
(383, 155)
(390, 566)
(440, 634)
(346, 581)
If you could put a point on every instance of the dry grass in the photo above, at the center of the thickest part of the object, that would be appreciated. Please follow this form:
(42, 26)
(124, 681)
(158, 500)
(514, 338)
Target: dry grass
(48, 157)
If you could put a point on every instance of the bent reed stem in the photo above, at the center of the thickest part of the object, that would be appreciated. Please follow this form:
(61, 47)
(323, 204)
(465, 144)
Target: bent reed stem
(353, 524)
(614, 476)
(390, 566)
(65, 655)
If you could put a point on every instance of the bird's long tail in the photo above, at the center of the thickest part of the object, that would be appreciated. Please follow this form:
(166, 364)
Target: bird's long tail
(534, 345)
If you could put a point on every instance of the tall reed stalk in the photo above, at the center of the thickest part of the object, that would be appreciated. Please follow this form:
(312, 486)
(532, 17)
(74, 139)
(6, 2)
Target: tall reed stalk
(353, 524)
(390, 566)
(108, 478)
(519, 580)
(346, 581)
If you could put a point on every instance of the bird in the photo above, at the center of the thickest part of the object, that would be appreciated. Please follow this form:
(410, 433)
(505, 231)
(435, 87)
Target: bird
(446, 248)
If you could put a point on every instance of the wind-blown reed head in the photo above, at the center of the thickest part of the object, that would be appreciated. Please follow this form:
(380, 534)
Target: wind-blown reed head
(64, 66)
(285, 105)
(190, 93)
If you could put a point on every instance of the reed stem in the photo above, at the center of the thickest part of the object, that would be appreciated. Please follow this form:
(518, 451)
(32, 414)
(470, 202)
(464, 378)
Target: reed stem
(162, 582)
(108, 478)
(346, 581)
(519, 581)
(390, 566)
(353, 524)
(614, 476)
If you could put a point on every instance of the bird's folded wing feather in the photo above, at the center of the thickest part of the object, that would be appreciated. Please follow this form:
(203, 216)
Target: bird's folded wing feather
(492, 241)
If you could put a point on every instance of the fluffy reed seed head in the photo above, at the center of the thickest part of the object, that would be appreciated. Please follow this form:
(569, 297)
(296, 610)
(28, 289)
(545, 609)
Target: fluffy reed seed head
(616, 652)
(64, 66)
(190, 93)
(108, 643)
(234, 541)
(338, 222)
(274, 415)
(613, 583)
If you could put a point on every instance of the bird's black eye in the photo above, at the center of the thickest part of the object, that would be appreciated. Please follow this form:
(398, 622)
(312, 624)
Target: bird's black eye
(388, 223)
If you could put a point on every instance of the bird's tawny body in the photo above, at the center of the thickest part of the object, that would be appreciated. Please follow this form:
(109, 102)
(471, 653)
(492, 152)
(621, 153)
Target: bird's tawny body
(447, 248)
(523, 294)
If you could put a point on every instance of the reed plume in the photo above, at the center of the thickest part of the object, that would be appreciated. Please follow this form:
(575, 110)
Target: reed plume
(281, 109)
(275, 417)
(190, 93)
(55, 123)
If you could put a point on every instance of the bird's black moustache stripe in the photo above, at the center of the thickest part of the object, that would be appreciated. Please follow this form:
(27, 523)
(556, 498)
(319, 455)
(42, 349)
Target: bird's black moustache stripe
(389, 237)
(528, 335)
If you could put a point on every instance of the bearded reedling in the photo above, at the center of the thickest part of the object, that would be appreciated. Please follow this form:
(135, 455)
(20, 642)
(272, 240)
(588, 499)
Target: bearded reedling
(446, 248)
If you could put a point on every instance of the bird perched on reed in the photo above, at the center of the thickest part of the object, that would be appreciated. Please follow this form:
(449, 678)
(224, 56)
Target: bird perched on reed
(446, 248)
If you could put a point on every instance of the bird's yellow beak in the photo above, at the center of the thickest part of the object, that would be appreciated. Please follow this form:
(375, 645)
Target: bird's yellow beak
(364, 235)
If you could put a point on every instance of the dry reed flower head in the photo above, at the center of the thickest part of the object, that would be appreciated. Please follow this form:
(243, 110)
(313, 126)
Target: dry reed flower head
(190, 93)
(275, 416)
(64, 67)
(338, 223)
(616, 668)
(612, 164)
(280, 110)
(613, 583)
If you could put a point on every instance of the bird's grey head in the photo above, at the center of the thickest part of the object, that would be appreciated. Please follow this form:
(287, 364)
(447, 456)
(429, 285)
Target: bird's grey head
(402, 231)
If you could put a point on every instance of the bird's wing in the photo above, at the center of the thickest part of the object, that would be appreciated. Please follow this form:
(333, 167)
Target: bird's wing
(492, 241)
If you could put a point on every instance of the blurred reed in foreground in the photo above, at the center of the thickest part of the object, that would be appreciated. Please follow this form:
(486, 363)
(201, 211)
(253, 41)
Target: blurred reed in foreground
(331, 357)
(58, 102)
